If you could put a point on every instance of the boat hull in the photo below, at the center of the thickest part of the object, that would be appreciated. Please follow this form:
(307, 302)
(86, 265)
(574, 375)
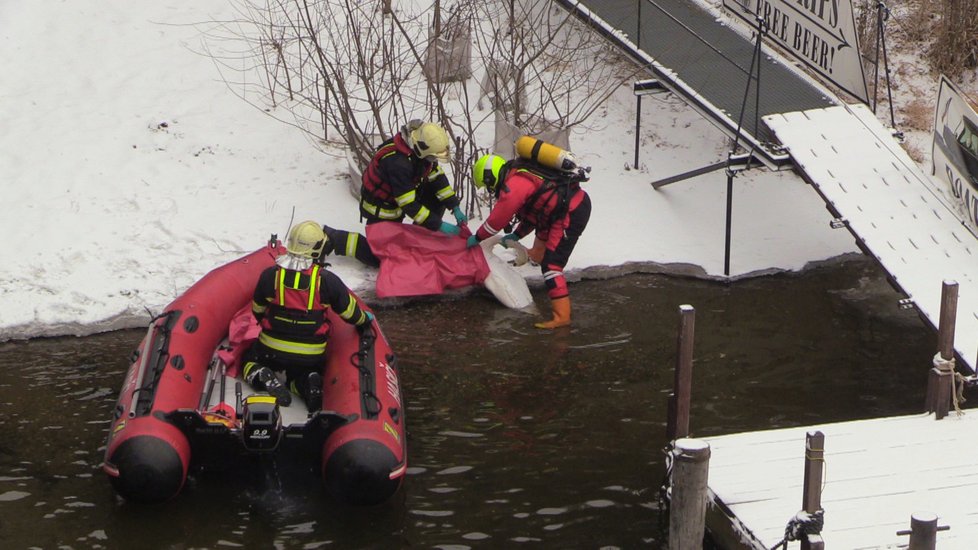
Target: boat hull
(165, 422)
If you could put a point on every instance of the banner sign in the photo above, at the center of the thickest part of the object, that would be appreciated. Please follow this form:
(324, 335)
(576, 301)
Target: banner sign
(819, 33)
(954, 154)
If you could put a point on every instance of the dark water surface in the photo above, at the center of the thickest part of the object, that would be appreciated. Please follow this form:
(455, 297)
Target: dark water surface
(516, 437)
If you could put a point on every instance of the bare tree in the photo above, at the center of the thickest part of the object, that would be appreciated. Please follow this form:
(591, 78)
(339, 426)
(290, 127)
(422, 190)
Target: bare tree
(956, 48)
(342, 65)
(351, 73)
(543, 66)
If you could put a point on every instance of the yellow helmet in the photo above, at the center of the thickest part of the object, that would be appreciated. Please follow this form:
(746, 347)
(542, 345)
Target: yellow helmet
(307, 240)
(428, 141)
(485, 171)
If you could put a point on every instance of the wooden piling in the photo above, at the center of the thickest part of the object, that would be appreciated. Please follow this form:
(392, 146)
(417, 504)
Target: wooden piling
(940, 382)
(687, 505)
(923, 531)
(677, 425)
(811, 499)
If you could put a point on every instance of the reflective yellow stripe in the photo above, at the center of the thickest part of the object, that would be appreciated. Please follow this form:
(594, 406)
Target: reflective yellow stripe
(247, 368)
(313, 286)
(406, 198)
(382, 213)
(445, 192)
(258, 308)
(281, 287)
(291, 347)
(351, 244)
(423, 214)
(348, 312)
(435, 172)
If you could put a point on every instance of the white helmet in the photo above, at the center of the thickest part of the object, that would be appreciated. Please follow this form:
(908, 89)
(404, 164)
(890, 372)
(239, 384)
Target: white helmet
(428, 140)
(307, 240)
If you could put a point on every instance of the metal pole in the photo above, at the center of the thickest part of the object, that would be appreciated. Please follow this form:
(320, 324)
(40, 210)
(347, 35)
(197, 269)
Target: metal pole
(687, 508)
(726, 245)
(886, 64)
(638, 105)
(876, 69)
(638, 126)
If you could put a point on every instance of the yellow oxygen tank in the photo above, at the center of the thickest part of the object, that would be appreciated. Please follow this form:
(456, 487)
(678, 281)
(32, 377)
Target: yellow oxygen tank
(545, 153)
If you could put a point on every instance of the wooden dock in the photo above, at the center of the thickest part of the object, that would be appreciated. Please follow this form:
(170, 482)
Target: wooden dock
(877, 474)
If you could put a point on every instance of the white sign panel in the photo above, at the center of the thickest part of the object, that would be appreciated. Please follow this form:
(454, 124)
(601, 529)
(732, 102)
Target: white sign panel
(820, 33)
(955, 150)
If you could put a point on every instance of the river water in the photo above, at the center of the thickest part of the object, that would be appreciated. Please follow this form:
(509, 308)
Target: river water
(516, 437)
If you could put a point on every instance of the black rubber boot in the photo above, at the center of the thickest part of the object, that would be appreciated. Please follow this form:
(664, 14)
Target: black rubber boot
(314, 393)
(262, 378)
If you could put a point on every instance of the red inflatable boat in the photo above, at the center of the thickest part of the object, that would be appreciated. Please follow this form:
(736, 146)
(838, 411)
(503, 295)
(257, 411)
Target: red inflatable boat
(174, 408)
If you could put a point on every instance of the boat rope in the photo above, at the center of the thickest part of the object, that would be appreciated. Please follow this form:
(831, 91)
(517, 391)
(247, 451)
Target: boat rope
(801, 526)
(957, 380)
(663, 496)
(143, 392)
(371, 404)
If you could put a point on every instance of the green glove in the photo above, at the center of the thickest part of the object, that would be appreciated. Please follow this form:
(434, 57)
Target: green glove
(459, 216)
(448, 229)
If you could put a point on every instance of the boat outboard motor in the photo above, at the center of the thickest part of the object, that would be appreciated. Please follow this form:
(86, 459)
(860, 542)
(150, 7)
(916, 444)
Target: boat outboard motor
(261, 428)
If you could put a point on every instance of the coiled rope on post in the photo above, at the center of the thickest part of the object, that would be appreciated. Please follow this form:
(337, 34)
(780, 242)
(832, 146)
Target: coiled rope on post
(801, 526)
(957, 380)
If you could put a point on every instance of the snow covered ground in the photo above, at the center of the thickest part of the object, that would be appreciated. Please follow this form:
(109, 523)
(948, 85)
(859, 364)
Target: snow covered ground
(129, 169)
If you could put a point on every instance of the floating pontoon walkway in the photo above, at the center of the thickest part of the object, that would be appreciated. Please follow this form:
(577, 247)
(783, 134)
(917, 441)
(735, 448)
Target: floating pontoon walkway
(891, 207)
(877, 474)
(707, 63)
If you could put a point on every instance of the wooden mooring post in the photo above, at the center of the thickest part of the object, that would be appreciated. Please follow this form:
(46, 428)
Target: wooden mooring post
(812, 493)
(677, 425)
(940, 383)
(923, 531)
(687, 506)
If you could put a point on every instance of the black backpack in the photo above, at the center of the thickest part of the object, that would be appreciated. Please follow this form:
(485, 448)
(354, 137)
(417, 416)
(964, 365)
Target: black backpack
(561, 183)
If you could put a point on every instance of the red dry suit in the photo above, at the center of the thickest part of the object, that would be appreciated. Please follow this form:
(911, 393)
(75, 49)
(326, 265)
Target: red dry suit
(557, 209)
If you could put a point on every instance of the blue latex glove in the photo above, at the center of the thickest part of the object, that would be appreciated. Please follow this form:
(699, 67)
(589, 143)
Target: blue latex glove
(448, 229)
(507, 238)
(370, 317)
(459, 216)
(471, 241)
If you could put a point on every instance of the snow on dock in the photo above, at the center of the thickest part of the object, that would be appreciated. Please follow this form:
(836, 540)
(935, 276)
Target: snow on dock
(877, 473)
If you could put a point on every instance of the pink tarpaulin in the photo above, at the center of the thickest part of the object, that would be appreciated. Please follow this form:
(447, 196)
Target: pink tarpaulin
(242, 332)
(415, 261)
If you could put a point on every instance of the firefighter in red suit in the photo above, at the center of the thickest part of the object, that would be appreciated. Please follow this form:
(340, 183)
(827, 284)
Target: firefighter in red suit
(541, 199)
(290, 301)
(404, 179)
